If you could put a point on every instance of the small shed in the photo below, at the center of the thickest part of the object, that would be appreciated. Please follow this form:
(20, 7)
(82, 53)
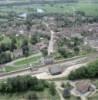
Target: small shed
(55, 70)
(66, 93)
(47, 60)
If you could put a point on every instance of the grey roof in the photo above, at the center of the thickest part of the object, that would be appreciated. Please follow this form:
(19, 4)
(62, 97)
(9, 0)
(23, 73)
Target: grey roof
(55, 70)
(66, 92)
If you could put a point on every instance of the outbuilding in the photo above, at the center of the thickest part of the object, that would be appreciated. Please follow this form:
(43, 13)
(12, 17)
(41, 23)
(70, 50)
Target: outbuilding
(55, 70)
(66, 93)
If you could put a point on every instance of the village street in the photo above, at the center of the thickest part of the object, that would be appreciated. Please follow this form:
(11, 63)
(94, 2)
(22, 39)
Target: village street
(51, 42)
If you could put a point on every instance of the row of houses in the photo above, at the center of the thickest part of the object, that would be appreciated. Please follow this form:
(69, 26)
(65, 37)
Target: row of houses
(32, 48)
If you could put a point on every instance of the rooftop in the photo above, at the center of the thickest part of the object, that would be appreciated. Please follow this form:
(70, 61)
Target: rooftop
(55, 70)
(83, 86)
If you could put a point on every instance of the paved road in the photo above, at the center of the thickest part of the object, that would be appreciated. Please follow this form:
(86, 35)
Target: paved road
(43, 70)
(51, 42)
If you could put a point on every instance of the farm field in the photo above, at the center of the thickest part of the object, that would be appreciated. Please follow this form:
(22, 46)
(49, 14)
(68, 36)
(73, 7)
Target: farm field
(88, 8)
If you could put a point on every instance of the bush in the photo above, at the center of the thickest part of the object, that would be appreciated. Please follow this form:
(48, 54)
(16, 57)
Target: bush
(89, 71)
(52, 89)
(21, 84)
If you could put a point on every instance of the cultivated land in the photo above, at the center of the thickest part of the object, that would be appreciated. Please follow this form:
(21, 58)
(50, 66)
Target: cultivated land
(88, 8)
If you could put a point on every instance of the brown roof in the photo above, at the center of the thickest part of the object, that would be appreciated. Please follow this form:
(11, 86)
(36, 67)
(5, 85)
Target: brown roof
(83, 86)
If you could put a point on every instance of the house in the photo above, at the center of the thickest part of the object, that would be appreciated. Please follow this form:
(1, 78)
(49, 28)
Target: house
(55, 70)
(47, 60)
(66, 93)
(83, 86)
(18, 53)
(41, 45)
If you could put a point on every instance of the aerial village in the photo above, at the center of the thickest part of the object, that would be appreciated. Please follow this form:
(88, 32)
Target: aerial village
(46, 53)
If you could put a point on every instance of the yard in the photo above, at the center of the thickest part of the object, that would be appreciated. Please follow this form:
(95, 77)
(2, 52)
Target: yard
(73, 98)
(95, 82)
(94, 97)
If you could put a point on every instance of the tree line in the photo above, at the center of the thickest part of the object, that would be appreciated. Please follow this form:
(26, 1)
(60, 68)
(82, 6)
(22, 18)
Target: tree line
(85, 72)
(26, 83)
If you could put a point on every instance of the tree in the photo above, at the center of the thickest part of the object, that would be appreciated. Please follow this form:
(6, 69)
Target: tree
(89, 71)
(22, 84)
(25, 48)
(76, 41)
(5, 57)
(35, 38)
(52, 89)
(65, 53)
(76, 50)
(44, 52)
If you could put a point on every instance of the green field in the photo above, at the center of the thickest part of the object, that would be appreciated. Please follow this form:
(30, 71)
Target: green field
(88, 8)
(4, 39)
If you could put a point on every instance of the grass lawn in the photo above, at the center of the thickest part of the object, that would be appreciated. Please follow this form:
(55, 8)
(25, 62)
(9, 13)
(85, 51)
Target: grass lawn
(45, 95)
(31, 60)
(73, 98)
(23, 63)
(94, 97)
(4, 39)
(95, 82)
(14, 68)
(11, 97)
(18, 67)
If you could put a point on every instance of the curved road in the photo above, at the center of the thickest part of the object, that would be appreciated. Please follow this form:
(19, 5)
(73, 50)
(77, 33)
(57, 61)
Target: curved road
(68, 65)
